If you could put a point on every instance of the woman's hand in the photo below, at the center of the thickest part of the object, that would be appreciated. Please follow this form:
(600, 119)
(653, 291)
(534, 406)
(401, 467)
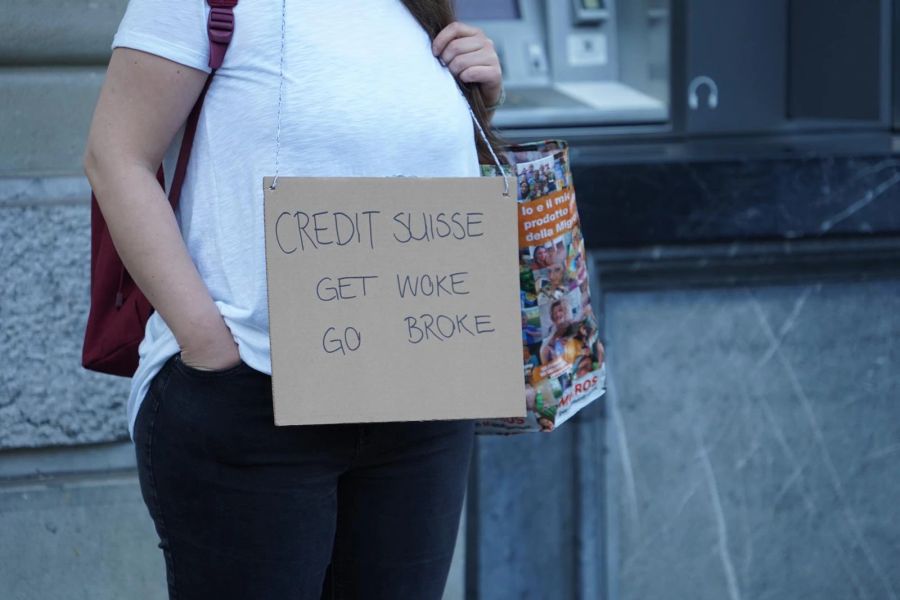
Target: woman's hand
(470, 56)
(211, 347)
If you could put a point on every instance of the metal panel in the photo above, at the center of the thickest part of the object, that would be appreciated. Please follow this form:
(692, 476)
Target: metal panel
(837, 58)
(894, 30)
(735, 65)
(752, 447)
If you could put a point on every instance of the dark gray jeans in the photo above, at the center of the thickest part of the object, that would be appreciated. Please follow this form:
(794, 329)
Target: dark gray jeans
(248, 510)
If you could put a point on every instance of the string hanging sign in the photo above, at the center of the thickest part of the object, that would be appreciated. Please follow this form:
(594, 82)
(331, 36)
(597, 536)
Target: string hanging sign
(392, 298)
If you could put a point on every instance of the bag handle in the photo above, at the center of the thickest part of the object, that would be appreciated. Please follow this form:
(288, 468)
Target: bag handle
(490, 148)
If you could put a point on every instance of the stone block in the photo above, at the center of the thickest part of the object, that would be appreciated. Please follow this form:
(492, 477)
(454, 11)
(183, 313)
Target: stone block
(525, 534)
(85, 537)
(47, 32)
(46, 398)
(45, 118)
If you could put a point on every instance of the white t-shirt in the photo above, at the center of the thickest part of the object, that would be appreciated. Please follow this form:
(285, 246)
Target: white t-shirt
(363, 96)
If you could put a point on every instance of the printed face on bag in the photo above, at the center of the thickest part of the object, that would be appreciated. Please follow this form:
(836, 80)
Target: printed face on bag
(583, 366)
(523, 190)
(561, 253)
(552, 283)
(578, 271)
(557, 274)
(542, 257)
(585, 332)
(558, 313)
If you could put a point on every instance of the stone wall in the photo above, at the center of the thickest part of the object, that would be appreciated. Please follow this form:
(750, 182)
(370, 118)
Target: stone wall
(52, 60)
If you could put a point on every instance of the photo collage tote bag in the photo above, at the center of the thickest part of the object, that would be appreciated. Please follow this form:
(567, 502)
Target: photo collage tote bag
(562, 355)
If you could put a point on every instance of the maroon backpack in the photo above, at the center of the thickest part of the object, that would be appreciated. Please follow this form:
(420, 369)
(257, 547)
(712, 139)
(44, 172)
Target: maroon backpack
(119, 310)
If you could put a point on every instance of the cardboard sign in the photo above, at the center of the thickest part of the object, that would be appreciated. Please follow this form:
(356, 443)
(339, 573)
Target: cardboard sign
(393, 299)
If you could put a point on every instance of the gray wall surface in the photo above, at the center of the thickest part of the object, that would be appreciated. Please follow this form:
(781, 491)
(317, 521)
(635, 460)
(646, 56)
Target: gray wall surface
(72, 521)
(52, 60)
(78, 530)
(45, 397)
(755, 440)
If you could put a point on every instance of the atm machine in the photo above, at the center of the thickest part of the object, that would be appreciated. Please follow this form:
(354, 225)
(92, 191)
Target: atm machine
(577, 62)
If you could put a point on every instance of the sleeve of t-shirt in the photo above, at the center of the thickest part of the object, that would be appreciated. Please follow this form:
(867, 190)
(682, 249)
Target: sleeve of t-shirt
(172, 29)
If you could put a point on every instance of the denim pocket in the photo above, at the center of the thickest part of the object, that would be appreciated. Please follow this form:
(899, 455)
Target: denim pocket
(190, 371)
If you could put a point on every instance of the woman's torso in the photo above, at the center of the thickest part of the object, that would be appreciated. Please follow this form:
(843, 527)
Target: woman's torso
(362, 96)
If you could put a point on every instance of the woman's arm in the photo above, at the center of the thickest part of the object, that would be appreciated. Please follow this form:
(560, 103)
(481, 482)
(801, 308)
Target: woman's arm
(144, 101)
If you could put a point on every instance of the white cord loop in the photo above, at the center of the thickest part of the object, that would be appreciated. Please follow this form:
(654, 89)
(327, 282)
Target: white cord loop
(274, 185)
(280, 94)
(490, 148)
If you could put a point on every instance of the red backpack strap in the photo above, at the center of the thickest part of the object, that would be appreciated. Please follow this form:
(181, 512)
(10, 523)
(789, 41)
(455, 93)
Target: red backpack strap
(219, 29)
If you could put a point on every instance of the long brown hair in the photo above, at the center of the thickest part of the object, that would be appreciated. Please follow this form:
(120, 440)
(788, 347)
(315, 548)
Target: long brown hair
(433, 16)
